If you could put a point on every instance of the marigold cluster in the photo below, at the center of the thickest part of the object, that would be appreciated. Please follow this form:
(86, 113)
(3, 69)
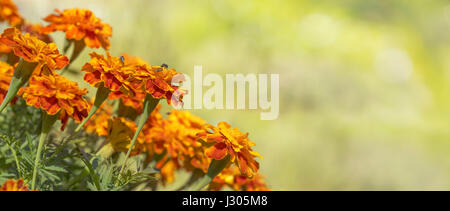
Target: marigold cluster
(10, 13)
(178, 141)
(232, 142)
(33, 50)
(14, 185)
(55, 93)
(80, 24)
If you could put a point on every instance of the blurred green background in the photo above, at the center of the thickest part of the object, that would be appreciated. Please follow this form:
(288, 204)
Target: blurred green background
(364, 84)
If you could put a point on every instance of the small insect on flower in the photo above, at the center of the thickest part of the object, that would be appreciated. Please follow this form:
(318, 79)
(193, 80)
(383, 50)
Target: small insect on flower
(109, 71)
(157, 82)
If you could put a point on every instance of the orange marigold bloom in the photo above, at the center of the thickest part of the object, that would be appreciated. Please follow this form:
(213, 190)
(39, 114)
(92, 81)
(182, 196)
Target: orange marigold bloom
(33, 50)
(231, 177)
(6, 73)
(80, 24)
(4, 49)
(110, 71)
(175, 137)
(55, 93)
(168, 171)
(232, 142)
(157, 81)
(99, 122)
(14, 185)
(121, 132)
(136, 102)
(9, 12)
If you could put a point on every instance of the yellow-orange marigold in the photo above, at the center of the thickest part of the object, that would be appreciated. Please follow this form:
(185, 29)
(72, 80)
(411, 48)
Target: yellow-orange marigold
(121, 131)
(136, 101)
(6, 73)
(232, 142)
(176, 139)
(231, 177)
(33, 50)
(158, 82)
(9, 13)
(98, 124)
(14, 185)
(55, 93)
(80, 24)
(110, 71)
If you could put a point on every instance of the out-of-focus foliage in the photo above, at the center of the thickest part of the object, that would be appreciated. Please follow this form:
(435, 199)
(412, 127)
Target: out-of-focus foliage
(363, 84)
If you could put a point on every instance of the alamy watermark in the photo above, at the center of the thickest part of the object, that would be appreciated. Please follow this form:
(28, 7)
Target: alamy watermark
(236, 96)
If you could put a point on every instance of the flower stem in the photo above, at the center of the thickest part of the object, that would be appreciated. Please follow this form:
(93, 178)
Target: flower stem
(78, 46)
(100, 97)
(67, 45)
(21, 76)
(214, 169)
(47, 122)
(149, 105)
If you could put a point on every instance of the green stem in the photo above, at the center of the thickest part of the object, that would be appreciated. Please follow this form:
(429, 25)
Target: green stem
(21, 76)
(214, 169)
(78, 46)
(67, 45)
(100, 97)
(149, 105)
(17, 160)
(12, 59)
(47, 123)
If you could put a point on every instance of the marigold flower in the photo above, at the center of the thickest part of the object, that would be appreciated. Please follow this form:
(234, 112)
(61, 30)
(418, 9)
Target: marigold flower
(136, 102)
(33, 50)
(55, 93)
(157, 81)
(228, 141)
(4, 49)
(10, 13)
(6, 73)
(121, 132)
(80, 24)
(168, 171)
(110, 71)
(231, 177)
(175, 137)
(99, 122)
(14, 185)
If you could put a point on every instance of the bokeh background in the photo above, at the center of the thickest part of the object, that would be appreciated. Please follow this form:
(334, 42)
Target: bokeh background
(364, 85)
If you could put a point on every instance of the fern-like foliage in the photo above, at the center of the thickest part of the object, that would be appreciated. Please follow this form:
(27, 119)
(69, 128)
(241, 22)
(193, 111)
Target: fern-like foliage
(67, 163)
